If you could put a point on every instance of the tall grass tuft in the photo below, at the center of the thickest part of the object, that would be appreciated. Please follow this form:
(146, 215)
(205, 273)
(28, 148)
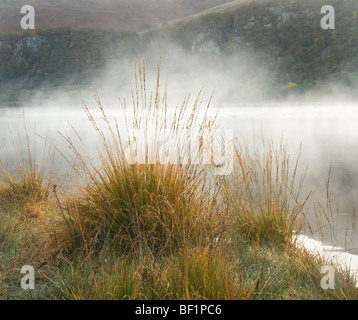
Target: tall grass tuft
(29, 212)
(130, 196)
(264, 195)
(25, 190)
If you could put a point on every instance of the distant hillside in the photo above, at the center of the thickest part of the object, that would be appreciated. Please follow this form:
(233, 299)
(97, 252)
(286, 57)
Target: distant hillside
(58, 56)
(289, 33)
(286, 36)
(133, 15)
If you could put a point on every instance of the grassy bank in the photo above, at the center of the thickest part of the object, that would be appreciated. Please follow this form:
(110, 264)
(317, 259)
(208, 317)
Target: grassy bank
(127, 229)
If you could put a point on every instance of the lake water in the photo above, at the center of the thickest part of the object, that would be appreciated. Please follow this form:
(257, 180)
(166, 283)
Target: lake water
(329, 137)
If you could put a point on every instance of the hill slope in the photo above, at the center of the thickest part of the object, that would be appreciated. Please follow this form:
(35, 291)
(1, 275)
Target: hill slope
(286, 37)
(134, 15)
(289, 33)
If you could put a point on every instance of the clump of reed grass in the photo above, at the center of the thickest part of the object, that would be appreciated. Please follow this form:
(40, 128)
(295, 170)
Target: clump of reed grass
(264, 195)
(146, 203)
(30, 214)
(26, 190)
(29, 207)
